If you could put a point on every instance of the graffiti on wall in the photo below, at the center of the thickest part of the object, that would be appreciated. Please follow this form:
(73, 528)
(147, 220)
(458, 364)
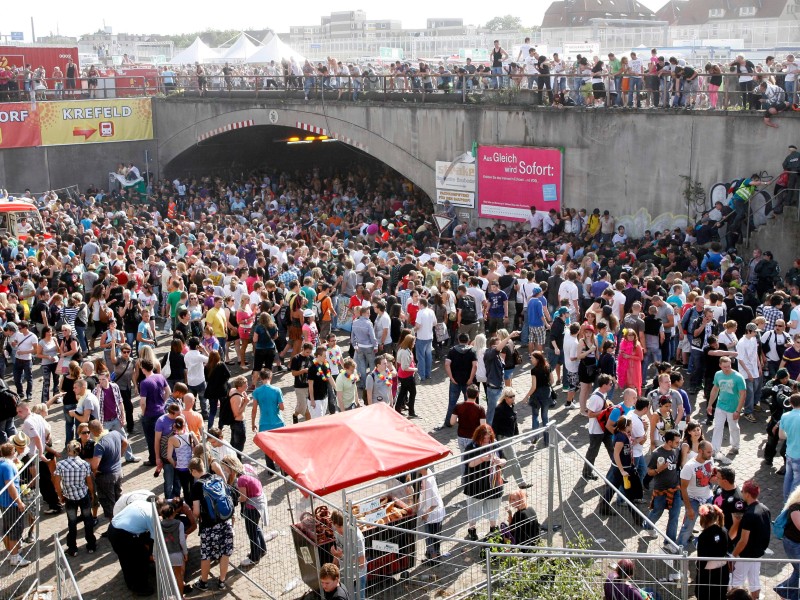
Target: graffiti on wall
(641, 221)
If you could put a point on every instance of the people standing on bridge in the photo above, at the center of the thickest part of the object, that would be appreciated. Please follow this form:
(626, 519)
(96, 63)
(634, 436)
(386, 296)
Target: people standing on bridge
(497, 55)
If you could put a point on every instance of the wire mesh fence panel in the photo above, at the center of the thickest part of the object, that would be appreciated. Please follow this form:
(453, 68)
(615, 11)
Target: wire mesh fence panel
(562, 573)
(283, 536)
(19, 568)
(166, 584)
(66, 586)
(415, 546)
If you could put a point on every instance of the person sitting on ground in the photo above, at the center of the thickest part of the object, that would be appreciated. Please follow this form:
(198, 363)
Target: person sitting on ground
(523, 525)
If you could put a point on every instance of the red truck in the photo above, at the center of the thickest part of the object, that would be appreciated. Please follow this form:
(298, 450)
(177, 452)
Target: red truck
(48, 57)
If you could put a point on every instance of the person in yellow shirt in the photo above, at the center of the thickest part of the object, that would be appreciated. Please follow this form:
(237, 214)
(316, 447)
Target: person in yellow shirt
(217, 320)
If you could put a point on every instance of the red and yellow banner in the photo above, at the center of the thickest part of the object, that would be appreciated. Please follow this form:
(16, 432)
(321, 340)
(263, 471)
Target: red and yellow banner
(75, 122)
(19, 126)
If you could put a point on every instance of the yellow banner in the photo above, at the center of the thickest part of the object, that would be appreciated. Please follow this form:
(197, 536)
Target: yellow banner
(95, 121)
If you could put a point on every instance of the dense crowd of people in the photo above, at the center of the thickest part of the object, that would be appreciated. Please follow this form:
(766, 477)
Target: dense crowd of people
(655, 341)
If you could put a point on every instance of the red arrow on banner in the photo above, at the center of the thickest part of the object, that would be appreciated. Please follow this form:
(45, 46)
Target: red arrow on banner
(86, 133)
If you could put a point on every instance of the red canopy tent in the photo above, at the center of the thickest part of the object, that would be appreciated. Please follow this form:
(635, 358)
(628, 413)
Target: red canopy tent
(338, 451)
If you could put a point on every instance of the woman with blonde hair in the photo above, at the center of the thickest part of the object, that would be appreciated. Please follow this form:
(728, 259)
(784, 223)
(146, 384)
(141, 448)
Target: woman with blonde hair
(479, 345)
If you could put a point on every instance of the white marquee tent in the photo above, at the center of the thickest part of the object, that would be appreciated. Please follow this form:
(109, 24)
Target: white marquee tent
(241, 50)
(199, 51)
(274, 49)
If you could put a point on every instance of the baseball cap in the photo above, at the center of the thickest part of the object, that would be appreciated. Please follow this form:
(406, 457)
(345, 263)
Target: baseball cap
(308, 313)
(751, 327)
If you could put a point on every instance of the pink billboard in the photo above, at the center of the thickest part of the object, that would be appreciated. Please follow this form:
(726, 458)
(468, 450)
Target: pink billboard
(511, 179)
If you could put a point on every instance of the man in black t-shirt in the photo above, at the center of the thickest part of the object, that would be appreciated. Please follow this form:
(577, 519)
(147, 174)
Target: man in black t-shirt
(753, 530)
(299, 366)
(728, 497)
(319, 378)
(461, 365)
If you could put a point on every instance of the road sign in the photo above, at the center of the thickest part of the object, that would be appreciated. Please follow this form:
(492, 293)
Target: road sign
(17, 36)
(442, 222)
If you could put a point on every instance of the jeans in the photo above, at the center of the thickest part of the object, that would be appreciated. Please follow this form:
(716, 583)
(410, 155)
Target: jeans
(48, 372)
(695, 367)
(792, 478)
(128, 405)
(660, 505)
(595, 441)
(213, 405)
(7, 430)
(456, 390)
(258, 547)
(749, 399)
(80, 333)
(70, 424)
(238, 435)
(640, 466)
(433, 545)
(365, 363)
(634, 86)
(84, 505)
(618, 90)
(492, 397)
(497, 77)
(789, 587)
(688, 525)
(172, 485)
(149, 429)
(22, 368)
(540, 404)
(198, 390)
(116, 425)
(651, 354)
(424, 358)
(308, 85)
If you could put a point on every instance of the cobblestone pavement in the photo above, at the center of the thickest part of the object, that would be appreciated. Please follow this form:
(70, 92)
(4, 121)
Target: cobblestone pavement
(99, 576)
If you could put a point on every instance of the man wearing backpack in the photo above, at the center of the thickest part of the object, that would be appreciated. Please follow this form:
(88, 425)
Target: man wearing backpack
(466, 313)
(596, 404)
(213, 508)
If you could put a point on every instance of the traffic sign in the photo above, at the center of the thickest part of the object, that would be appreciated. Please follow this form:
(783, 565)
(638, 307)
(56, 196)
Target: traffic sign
(17, 36)
(442, 222)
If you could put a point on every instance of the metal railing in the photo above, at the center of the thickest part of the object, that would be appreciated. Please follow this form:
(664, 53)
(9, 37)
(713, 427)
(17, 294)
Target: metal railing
(629, 91)
(166, 584)
(66, 586)
(81, 88)
(20, 579)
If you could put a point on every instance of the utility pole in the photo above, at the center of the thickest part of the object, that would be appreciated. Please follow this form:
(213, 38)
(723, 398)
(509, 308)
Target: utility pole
(33, 32)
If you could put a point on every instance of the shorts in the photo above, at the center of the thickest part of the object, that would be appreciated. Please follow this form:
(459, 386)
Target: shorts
(571, 379)
(13, 523)
(176, 559)
(216, 541)
(320, 409)
(685, 344)
(295, 332)
(537, 335)
(747, 573)
(508, 373)
(302, 401)
(488, 507)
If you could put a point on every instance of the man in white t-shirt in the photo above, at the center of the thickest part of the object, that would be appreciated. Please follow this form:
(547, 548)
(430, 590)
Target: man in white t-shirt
(24, 343)
(598, 436)
(423, 327)
(697, 475)
(569, 290)
(793, 325)
(35, 427)
(535, 219)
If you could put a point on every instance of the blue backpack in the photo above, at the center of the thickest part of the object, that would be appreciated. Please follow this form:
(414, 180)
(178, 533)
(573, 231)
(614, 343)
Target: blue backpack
(779, 525)
(219, 504)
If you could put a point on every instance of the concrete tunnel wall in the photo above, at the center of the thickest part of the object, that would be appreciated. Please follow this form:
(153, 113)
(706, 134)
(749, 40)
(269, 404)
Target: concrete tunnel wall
(630, 163)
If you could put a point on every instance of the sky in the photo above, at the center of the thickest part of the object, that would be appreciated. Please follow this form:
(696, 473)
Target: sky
(164, 17)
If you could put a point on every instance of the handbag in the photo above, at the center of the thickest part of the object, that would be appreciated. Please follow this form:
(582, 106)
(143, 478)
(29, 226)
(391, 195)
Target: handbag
(166, 370)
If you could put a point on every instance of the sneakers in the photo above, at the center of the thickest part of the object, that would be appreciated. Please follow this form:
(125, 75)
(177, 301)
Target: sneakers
(135, 459)
(247, 562)
(19, 561)
(720, 457)
(222, 585)
(750, 418)
(201, 585)
(72, 553)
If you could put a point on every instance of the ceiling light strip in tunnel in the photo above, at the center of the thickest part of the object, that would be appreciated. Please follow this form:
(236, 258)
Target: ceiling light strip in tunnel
(323, 131)
(224, 128)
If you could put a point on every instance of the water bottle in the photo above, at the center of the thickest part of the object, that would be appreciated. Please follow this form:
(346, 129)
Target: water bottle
(291, 585)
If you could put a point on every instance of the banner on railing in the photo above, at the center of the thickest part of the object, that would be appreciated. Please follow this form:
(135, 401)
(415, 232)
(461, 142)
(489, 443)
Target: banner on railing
(511, 179)
(75, 122)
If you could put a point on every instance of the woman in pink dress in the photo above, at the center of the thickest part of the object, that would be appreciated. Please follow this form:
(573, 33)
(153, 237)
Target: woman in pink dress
(629, 365)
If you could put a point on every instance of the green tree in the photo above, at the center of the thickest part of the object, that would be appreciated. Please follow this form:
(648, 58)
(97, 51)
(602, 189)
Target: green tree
(506, 23)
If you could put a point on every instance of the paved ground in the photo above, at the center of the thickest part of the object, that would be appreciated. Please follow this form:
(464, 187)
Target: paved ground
(99, 576)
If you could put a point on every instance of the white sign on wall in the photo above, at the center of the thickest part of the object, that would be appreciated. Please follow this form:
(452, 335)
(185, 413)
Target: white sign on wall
(461, 176)
(457, 199)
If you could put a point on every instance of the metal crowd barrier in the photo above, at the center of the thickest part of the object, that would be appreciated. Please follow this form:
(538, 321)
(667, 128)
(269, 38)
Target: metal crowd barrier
(60, 89)
(166, 585)
(17, 580)
(66, 586)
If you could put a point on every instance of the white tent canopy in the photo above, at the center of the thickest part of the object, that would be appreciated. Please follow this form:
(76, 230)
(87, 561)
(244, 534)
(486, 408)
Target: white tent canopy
(241, 50)
(274, 49)
(199, 51)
